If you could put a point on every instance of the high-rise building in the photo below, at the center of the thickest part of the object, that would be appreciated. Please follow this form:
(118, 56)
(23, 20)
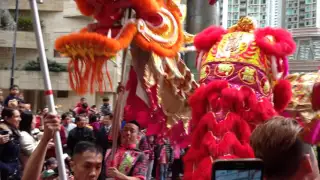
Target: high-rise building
(303, 20)
(265, 12)
(256, 9)
(274, 13)
(302, 13)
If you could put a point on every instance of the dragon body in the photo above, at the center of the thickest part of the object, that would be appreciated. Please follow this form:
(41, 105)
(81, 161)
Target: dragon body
(159, 81)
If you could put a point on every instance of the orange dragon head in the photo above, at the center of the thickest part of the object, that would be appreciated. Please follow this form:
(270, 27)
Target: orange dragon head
(152, 25)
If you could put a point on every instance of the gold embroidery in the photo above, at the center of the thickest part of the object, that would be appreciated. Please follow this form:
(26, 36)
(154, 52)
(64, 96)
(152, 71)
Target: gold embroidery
(205, 71)
(265, 86)
(247, 75)
(224, 70)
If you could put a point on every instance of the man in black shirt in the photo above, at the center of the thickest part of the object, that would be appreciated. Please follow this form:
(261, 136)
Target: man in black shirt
(80, 133)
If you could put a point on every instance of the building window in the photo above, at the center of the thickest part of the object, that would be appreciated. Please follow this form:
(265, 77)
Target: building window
(308, 1)
(308, 15)
(62, 94)
(308, 8)
(289, 11)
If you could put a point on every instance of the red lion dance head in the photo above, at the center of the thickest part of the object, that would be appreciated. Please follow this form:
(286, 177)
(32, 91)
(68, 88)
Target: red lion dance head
(241, 69)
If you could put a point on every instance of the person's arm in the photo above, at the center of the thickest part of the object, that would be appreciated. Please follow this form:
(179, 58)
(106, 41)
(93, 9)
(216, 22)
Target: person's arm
(34, 165)
(114, 173)
(4, 139)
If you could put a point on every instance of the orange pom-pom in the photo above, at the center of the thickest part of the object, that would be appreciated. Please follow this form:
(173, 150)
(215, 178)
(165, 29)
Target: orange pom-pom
(88, 53)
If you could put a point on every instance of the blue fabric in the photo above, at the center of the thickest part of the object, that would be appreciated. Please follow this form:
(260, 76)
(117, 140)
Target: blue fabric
(123, 123)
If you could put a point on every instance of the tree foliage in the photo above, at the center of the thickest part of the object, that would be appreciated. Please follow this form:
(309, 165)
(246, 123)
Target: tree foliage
(52, 65)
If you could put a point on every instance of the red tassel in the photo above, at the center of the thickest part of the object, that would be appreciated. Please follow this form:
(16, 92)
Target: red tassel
(282, 94)
(315, 97)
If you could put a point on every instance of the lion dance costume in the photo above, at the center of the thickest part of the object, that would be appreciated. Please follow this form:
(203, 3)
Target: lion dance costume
(241, 70)
(159, 82)
(305, 103)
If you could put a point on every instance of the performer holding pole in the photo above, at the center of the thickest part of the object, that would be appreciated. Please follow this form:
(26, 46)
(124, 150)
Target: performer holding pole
(120, 103)
(47, 83)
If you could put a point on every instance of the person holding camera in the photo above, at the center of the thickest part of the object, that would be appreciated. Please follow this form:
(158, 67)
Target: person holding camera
(10, 146)
(4, 138)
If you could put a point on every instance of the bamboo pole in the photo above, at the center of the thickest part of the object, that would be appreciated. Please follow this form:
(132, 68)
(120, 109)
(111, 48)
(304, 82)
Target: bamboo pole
(121, 100)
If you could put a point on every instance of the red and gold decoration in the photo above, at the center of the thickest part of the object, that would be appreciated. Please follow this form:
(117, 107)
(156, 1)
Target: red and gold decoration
(241, 73)
(304, 105)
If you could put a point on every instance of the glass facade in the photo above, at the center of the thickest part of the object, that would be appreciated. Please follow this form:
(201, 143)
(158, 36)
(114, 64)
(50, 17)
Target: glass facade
(301, 13)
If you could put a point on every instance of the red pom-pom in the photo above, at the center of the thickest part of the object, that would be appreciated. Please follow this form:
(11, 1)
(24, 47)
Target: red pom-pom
(231, 99)
(208, 37)
(282, 94)
(198, 104)
(284, 44)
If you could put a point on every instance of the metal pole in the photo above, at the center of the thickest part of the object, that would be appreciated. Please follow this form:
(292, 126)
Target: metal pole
(14, 47)
(200, 15)
(47, 84)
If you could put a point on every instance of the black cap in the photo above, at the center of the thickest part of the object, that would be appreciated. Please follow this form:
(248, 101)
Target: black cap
(134, 122)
